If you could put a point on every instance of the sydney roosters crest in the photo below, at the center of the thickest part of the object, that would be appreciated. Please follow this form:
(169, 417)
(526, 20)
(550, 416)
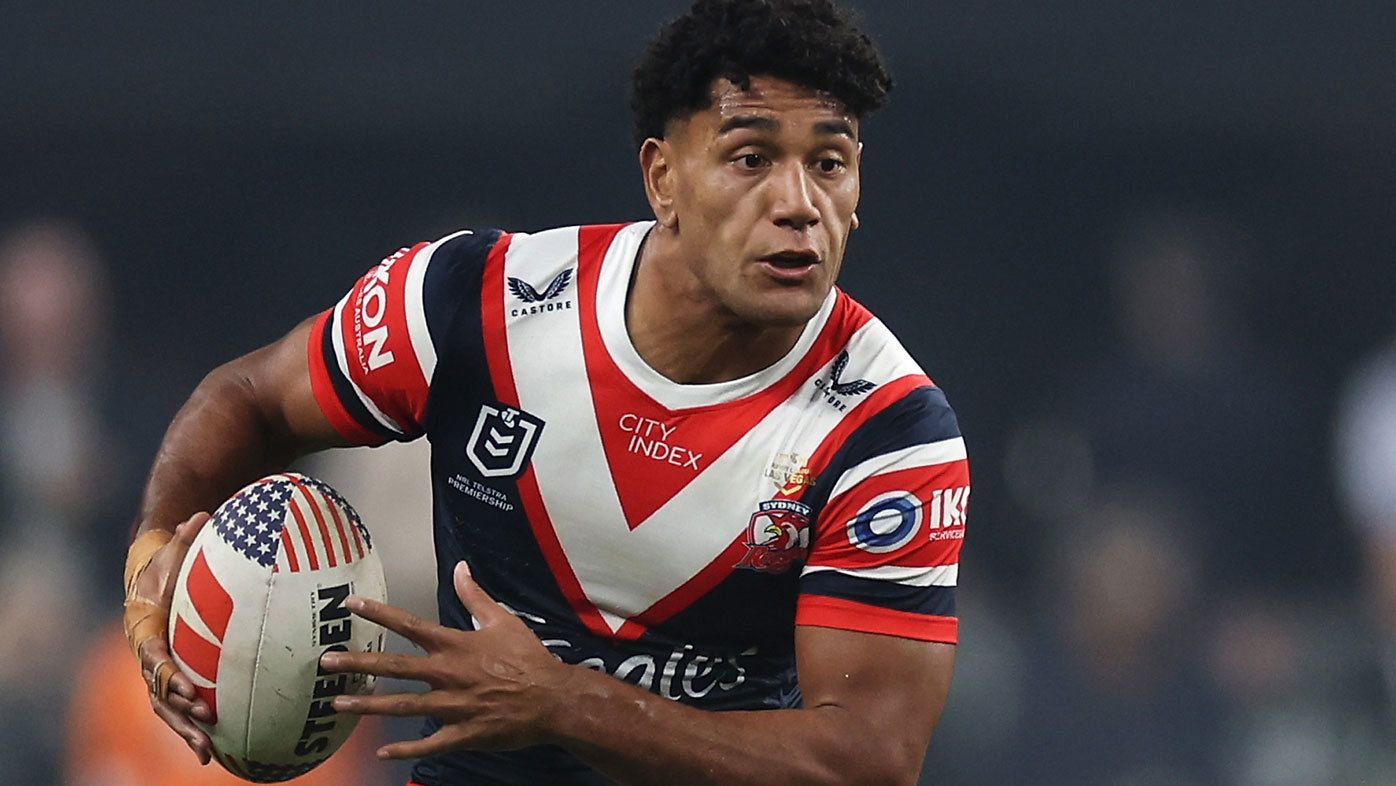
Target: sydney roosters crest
(777, 536)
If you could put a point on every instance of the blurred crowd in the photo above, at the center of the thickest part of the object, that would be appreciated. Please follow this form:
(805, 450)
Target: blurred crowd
(1214, 597)
(1211, 596)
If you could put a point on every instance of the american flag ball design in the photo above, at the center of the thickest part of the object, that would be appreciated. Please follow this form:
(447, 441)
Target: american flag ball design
(259, 599)
(292, 522)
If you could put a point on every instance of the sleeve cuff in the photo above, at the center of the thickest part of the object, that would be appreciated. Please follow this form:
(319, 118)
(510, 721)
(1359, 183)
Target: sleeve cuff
(825, 612)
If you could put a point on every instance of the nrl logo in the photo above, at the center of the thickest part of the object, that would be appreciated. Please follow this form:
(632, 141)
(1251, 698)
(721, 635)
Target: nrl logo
(502, 441)
(524, 291)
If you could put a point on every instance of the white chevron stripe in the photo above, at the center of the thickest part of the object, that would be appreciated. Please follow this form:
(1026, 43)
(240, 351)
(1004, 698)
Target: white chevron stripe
(924, 455)
(685, 534)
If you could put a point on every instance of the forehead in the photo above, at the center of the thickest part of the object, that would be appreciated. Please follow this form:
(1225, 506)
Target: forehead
(787, 103)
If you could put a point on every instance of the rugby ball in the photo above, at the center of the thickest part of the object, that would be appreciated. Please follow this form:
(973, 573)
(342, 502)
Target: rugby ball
(259, 598)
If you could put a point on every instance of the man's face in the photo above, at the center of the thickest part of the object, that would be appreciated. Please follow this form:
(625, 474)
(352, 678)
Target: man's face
(764, 186)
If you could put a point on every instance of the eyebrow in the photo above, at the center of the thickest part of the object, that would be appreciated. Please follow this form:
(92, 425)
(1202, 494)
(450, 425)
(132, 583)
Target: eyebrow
(738, 122)
(835, 127)
(761, 123)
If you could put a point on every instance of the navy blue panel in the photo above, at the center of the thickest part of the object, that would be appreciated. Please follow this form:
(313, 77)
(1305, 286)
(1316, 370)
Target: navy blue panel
(344, 390)
(921, 416)
(494, 538)
(451, 303)
(545, 764)
(456, 269)
(937, 601)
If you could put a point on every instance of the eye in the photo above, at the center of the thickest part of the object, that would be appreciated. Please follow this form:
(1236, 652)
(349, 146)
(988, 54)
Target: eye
(751, 161)
(829, 166)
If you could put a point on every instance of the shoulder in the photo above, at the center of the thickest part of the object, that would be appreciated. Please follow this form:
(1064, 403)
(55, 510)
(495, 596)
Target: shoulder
(874, 363)
(464, 250)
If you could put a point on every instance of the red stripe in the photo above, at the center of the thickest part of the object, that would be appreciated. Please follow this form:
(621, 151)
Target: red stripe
(825, 612)
(289, 550)
(197, 652)
(557, 560)
(323, 389)
(492, 319)
(702, 583)
(211, 601)
(305, 535)
(502, 375)
(340, 526)
(319, 522)
(929, 547)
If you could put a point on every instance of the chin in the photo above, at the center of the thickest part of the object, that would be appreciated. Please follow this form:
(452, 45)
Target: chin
(782, 309)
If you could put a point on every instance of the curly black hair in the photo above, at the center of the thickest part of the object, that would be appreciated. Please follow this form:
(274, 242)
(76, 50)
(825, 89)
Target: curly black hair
(809, 42)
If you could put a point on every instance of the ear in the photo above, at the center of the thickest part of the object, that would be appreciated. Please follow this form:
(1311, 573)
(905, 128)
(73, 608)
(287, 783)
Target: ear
(659, 180)
(855, 222)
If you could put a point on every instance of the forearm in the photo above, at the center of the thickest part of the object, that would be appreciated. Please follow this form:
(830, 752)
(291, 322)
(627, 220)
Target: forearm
(636, 737)
(220, 440)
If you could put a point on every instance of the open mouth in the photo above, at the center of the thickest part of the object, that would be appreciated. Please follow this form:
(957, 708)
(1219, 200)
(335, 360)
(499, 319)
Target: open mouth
(791, 261)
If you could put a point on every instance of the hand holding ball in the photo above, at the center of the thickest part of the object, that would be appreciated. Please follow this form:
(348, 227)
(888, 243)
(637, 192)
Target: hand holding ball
(259, 598)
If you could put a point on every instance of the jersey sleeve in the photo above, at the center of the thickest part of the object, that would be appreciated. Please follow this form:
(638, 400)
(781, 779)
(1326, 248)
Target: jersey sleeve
(373, 355)
(886, 551)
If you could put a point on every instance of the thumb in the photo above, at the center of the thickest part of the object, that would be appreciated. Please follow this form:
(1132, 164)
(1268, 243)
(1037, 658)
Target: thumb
(476, 601)
(185, 532)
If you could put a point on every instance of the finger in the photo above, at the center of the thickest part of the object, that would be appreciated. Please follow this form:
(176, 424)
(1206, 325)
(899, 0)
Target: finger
(183, 686)
(379, 664)
(398, 705)
(193, 736)
(156, 651)
(478, 602)
(409, 625)
(446, 738)
(196, 709)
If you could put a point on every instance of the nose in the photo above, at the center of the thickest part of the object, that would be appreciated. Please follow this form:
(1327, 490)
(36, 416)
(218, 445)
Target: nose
(792, 205)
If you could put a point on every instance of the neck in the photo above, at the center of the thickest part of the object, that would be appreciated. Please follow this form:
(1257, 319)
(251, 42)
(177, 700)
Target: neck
(680, 330)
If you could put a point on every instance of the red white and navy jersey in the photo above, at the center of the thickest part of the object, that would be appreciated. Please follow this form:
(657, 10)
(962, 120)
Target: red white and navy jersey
(671, 535)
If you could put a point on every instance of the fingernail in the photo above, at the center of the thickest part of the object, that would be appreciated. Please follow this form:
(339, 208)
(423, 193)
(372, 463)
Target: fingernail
(382, 753)
(329, 660)
(354, 602)
(461, 566)
(341, 703)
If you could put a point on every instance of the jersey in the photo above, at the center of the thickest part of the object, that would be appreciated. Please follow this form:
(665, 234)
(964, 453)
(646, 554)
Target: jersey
(670, 535)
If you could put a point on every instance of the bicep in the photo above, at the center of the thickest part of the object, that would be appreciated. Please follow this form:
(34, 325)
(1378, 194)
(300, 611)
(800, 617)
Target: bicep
(891, 689)
(277, 378)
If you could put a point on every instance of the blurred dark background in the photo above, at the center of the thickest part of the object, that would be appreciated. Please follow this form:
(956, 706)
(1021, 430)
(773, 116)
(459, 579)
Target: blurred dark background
(1149, 252)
